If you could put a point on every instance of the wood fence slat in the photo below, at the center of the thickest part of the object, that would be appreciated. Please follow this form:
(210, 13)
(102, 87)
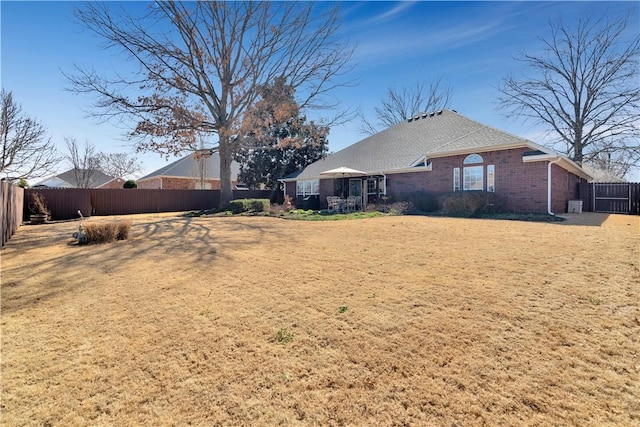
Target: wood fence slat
(618, 197)
(11, 207)
(65, 203)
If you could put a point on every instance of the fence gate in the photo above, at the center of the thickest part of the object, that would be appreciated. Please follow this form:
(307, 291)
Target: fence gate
(620, 197)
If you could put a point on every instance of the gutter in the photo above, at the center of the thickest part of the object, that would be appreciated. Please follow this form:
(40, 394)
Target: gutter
(557, 159)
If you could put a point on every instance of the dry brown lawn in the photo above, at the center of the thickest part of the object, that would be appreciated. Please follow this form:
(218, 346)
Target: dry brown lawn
(395, 321)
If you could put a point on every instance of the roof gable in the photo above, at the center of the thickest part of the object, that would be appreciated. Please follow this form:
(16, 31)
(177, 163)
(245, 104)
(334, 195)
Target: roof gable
(432, 135)
(190, 167)
(96, 178)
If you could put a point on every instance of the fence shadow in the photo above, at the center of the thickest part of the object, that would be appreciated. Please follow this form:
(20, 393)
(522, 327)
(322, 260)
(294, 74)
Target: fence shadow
(49, 263)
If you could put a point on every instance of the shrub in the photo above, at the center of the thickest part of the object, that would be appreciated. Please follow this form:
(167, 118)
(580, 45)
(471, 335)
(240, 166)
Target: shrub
(130, 184)
(249, 205)
(468, 203)
(395, 208)
(279, 210)
(124, 227)
(104, 232)
(98, 232)
(424, 202)
(38, 204)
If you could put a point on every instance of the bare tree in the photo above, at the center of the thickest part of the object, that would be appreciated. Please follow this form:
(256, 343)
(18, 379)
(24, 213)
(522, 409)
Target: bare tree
(584, 90)
(26, 150)
(604, 170)
(202, 64)
(400, 104)
(83, 159)
(117, 165)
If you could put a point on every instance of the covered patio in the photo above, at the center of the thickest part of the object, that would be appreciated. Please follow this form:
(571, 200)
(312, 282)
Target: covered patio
(351, 189)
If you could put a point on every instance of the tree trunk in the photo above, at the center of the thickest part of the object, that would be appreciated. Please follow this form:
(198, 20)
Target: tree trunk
(226, 157)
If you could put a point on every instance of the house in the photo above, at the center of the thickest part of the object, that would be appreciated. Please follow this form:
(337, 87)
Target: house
(196, 171)
(441, 152)
(81, 178)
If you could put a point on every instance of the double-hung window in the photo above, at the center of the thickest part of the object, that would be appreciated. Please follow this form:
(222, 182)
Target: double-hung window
(308, 187)
(473, 175)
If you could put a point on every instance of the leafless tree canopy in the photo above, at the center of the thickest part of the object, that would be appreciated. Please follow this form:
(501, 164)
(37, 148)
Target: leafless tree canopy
(118, 165)
(26, 150)
(202, 63)
(83, 160)
(585, 90)
(400, 104)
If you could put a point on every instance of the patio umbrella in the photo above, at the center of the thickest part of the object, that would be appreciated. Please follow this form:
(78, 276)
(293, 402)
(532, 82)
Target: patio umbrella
(343, 172)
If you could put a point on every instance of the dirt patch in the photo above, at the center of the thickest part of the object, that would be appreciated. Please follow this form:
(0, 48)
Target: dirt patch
(389, 321)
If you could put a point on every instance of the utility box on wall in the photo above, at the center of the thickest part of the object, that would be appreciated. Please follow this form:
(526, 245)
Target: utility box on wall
(575, 206)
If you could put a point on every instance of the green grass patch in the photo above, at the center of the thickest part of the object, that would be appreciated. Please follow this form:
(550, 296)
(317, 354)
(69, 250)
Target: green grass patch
(324, 215)
(284, 336)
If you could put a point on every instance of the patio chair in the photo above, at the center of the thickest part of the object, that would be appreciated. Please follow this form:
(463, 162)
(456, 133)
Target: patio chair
(333, 203)
(352, 204)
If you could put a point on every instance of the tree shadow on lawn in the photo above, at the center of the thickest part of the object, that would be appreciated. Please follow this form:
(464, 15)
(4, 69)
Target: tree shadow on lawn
(41, 263)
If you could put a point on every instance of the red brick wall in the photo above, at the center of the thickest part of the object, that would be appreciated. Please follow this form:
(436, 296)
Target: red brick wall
(564, 187)
(150, 184)
(176, 183)
(116, 183)
(522, 187)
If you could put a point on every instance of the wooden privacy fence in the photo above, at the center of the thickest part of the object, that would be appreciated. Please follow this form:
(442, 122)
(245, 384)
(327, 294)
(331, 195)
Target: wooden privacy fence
(64, 203)
(11, 205)
(610, 197)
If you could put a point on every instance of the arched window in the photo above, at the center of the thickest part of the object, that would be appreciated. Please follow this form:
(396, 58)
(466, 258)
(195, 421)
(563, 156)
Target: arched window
(473, 159)
(473, 177)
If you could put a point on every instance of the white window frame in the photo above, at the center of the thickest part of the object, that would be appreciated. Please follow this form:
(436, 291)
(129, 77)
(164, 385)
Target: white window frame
(473, 179)
(309, 187)
(491, 178)
(473, 159)
(372, 185)
(473, 176)
(456, 179)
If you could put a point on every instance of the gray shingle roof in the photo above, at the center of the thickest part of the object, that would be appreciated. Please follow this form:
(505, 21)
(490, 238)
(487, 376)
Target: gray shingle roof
(188, 167)
(96, 179)
(432, 135)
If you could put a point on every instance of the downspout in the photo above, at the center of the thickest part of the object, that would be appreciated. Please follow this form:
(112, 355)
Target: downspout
(549, 185)
(384, 192)
(284, 190)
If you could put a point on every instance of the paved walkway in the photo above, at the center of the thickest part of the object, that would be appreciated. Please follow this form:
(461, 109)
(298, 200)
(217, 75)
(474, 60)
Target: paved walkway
(603, 220)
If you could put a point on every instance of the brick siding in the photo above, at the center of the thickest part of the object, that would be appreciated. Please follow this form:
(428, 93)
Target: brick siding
(177, 183)
(564, 187)
(522, 187)
(116, 183)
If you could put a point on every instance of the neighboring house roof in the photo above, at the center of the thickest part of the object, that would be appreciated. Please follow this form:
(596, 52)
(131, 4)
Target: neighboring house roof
(54, 182)
(68, 179)
(425, 136)
(190, 167)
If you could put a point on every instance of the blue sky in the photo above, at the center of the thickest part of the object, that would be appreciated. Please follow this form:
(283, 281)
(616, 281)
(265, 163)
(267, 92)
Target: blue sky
(470, 45)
